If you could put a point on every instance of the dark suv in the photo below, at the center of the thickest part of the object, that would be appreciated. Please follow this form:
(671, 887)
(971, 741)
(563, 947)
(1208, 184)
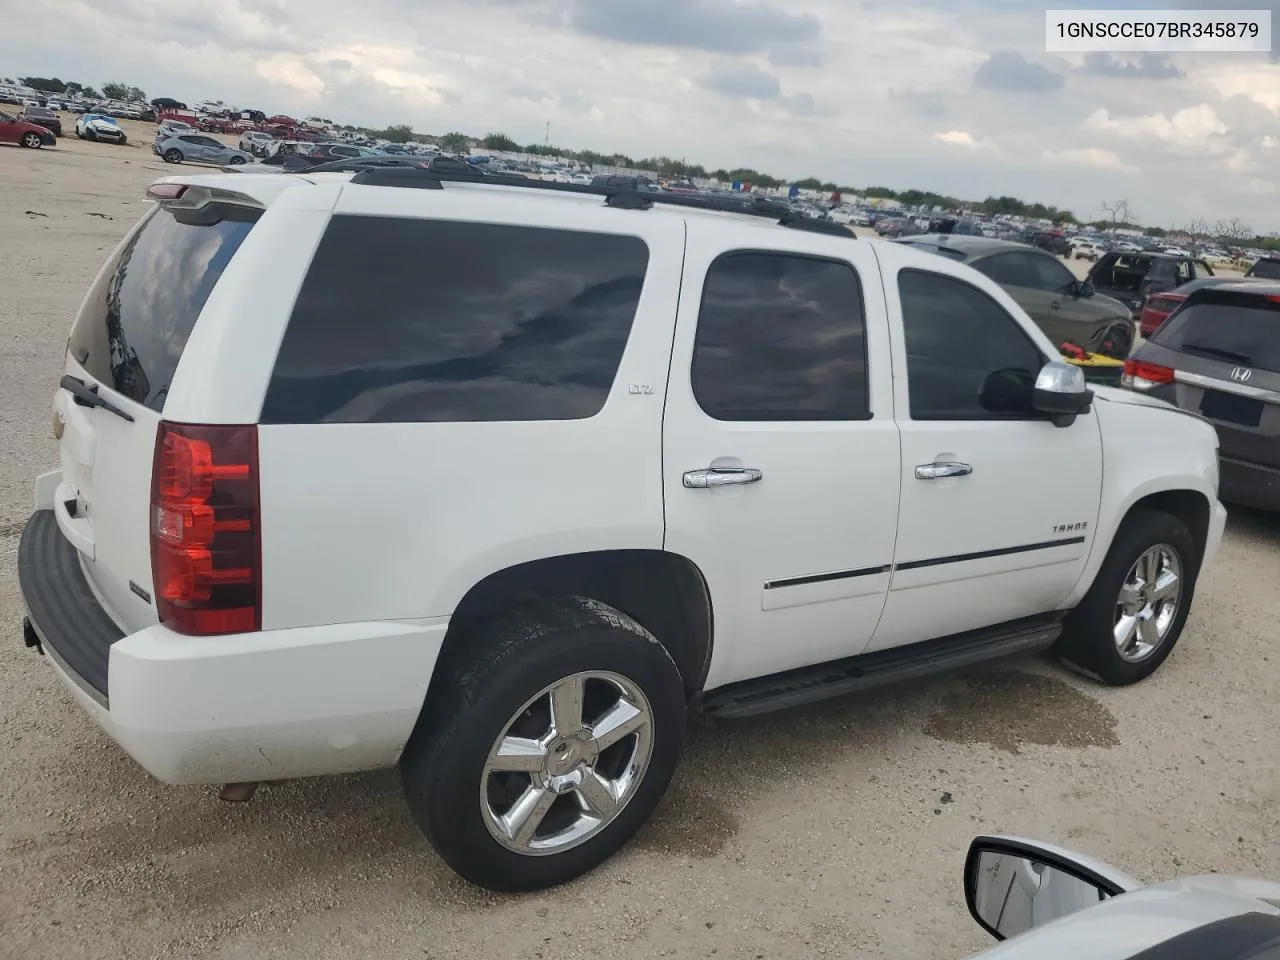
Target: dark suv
(1132, 277)
(1218, 355)
(1268, 268)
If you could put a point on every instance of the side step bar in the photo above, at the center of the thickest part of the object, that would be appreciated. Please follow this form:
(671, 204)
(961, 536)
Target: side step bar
(841, 678)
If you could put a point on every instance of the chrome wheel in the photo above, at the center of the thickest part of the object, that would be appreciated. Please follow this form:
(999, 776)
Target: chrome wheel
(566, 763)
(1148, 603)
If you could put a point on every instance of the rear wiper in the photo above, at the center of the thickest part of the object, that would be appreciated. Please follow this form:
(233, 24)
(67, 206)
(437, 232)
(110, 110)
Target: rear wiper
(88, 396)
(1217, 352)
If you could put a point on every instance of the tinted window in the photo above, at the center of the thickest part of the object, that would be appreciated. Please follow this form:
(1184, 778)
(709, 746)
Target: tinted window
(136, 320)
(1238, 329)
(967, 359)
(1201, 269)
(1267, 269)
(1008, 269)
(780, 338)
(404, 320)
(1048, 273)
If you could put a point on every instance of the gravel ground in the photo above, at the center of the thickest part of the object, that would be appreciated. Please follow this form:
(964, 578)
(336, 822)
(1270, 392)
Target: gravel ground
(838, 833)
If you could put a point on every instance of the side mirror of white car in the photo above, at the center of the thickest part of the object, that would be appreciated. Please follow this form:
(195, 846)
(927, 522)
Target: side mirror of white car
(1013, 885)
(1061, 392)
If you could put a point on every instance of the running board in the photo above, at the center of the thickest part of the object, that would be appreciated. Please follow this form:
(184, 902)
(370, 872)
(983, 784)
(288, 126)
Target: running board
(841, 678)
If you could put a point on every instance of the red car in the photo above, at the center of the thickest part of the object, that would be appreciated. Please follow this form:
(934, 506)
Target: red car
(24, 134)
(1156, 309)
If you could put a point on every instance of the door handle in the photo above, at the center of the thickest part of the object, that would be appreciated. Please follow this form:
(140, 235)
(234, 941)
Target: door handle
(720, 476)
(940, 469)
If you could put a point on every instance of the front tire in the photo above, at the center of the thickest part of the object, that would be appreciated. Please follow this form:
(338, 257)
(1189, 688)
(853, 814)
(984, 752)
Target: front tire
(236, 161)
(1133, 614)
(32, 141)
(1115, 341)
(540, 758)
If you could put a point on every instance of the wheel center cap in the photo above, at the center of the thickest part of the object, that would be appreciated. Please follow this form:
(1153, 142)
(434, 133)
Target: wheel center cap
(564, 756)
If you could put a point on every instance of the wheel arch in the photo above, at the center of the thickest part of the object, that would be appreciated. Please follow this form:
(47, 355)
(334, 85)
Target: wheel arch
(664, 592)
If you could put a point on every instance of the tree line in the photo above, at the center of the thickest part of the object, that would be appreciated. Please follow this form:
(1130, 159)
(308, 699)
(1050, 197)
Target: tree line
(112, 90)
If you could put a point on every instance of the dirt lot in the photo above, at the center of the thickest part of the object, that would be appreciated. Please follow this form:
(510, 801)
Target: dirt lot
(839, 833)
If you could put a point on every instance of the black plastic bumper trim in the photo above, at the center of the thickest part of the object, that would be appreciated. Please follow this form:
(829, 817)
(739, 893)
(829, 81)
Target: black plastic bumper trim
(63, 611)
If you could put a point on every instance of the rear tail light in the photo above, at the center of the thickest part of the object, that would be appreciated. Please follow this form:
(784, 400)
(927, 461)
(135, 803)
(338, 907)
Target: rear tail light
(1140, 375)
(206, 545)
(1165, 302)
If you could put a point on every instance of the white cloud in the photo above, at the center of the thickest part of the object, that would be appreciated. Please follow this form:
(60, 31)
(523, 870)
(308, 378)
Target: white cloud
(1090, 157)
(959, 138)
(1191, 127)
(1260, 84)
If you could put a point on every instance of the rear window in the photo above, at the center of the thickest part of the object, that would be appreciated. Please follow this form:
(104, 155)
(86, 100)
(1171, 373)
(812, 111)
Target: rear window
(1235, 328)
(402, 320)
(1267, 269)
(135, 322)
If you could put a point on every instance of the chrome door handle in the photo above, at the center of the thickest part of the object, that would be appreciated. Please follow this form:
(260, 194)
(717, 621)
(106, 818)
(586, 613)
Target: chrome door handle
(720, 476)
(945, 468)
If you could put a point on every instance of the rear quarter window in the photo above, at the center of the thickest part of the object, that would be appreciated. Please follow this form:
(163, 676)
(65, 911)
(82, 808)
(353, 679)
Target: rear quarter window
(135, 322)
(1267, 269)
(406, 320)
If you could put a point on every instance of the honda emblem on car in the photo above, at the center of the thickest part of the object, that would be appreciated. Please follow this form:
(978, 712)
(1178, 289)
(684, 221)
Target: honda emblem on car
(1241, 374)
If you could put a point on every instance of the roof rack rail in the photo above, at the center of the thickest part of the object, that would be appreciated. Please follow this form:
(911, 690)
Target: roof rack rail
(434, 173)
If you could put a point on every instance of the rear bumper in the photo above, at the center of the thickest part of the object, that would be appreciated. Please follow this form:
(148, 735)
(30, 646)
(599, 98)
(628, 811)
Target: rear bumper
(282, 703)
(1249, 484)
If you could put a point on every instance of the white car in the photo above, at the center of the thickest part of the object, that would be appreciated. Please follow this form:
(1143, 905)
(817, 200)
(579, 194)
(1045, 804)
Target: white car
(501, 484)
(1047, 903)
(98, 126)
(255, 142)
(1082, 248)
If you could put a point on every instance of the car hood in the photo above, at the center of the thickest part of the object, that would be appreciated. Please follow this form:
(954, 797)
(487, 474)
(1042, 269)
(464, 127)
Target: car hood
(1111, 304)
(1130, 923)
(1135, 399)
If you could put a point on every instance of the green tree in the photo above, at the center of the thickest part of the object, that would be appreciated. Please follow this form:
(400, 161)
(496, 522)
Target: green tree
(47, 84)
(500, 141)
(454, 142)
(137, 95)
(396, 133)
(116, 91)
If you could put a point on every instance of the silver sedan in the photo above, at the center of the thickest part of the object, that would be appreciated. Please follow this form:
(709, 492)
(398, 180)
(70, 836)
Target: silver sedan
(196, 148)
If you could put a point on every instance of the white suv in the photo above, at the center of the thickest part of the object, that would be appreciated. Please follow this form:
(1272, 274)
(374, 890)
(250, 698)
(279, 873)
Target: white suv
(501, 482)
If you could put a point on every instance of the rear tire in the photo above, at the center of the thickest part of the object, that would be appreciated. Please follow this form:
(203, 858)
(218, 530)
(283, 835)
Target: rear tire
(467, 795)
(1128, 623)
(173, 155)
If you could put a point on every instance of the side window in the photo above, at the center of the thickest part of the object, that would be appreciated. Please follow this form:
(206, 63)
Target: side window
(967, 359)
(401, 321)
(1201, 269)
(1184, 271)
(195, 141)
(1049, 273)
(781, 337)
(1009, 269)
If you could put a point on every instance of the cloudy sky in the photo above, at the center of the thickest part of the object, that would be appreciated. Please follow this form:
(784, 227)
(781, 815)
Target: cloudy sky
(957, 96)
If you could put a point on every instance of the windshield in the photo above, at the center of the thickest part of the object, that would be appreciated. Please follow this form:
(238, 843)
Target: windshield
(1236, 328)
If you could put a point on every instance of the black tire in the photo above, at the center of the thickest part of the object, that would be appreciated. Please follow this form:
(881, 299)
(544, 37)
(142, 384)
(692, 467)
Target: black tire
(32, 141)
(236, 161)
(1114, 341)
(1088, 642)
(172, 155)
(513, 657)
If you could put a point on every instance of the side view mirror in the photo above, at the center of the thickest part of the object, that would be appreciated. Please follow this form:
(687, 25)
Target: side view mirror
(1014, 885)
(1061, 393)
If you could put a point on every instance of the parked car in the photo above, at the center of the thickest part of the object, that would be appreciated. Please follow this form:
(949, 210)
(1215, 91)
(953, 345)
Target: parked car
(1266, 268)
(1218, 355)
(255, 142)
(43, 117)
(1047, 903)
(954, 226)
(1083, 248)
(894, 227)
(1066, 309)
(1132, 277)
(24, 133)
(1051, 241)
(196, 148)
(99, 126)
(174, 128)
(528, 645)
